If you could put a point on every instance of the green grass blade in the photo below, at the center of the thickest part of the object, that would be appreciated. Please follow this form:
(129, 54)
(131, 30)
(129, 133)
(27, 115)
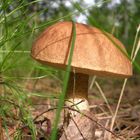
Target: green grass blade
(65, 84)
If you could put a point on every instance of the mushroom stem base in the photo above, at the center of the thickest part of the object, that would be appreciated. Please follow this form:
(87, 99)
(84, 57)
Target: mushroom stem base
(78, 103)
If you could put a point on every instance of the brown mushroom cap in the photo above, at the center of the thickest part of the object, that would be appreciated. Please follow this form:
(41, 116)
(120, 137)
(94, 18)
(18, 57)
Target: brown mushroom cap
(94, 53)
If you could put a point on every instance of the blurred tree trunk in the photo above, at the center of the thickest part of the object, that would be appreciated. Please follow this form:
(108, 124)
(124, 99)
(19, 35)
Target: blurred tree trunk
(125, 18)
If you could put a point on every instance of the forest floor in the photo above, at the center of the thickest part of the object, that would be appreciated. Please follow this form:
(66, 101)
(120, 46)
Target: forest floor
(127, 124)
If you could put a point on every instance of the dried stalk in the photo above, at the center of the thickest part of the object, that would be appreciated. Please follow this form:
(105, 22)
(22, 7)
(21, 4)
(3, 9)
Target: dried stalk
(133, 56)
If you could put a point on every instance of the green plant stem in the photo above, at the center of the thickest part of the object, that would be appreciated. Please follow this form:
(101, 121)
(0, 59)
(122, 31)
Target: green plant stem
(65, 84)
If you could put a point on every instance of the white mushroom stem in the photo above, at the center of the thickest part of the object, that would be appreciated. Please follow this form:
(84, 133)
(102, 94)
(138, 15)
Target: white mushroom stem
(77, 93)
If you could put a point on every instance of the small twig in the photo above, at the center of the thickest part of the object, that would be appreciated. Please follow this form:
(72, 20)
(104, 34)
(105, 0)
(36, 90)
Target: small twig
(54, 108)
(78, 128)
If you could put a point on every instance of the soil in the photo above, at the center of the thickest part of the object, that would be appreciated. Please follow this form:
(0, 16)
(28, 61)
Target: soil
(127, 124)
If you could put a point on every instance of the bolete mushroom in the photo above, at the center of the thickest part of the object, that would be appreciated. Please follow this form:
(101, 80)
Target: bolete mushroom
(94, 54)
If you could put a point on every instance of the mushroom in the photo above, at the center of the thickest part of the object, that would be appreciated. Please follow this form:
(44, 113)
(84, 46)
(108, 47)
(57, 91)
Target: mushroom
(95, 53)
